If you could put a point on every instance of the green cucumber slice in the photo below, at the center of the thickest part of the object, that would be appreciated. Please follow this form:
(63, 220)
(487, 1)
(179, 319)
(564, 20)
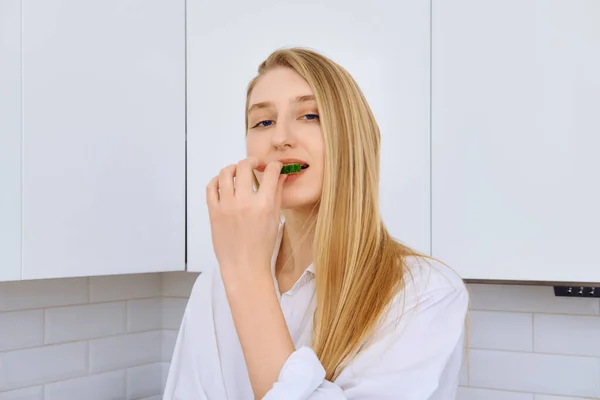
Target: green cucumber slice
(291, 168)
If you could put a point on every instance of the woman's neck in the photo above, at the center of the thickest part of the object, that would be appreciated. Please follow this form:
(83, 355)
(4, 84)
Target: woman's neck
(296, 251)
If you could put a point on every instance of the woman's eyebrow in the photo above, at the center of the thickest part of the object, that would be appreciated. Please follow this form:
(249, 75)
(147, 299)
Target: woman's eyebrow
(258, 106)
(301, 99)
(267, 104)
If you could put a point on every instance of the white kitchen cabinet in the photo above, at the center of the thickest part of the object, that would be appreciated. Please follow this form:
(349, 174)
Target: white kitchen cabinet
(515, 139)
(383, 44)
(103, 137)
(10, 140)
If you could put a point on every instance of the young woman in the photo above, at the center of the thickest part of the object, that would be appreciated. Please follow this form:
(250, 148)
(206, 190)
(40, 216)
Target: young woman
(313, 299)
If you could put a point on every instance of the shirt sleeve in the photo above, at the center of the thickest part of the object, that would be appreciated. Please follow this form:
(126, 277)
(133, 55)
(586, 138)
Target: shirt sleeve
(175, 365)
(416, 355)
(184, 377)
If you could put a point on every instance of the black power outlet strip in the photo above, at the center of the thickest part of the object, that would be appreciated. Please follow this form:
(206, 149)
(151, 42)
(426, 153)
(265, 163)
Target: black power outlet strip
(577, 291)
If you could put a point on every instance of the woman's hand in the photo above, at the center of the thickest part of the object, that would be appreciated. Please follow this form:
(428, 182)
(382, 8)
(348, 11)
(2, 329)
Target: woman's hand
(244, 223)
(244, 227)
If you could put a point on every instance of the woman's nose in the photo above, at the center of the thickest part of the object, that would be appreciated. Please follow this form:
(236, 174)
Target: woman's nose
(283, 136)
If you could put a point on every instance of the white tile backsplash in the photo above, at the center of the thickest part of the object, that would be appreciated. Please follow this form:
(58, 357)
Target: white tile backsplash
(66, 324)
(76, 338)
(499, 330)
(113, 337)
(21, 368)
(526, 341)
(172, 312)
(30, 393)
(535, 373)
(178, 284)
(144, 315)
(21, 295)
(124, 287)
(105, 386)
(20, 329)
(169, 338)
(567, 334)
(125, 351)
(144, 381)
(165, 373)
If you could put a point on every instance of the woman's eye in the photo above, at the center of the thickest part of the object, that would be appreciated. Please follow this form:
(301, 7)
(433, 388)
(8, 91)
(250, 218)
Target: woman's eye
(264, 123)
(311, 116)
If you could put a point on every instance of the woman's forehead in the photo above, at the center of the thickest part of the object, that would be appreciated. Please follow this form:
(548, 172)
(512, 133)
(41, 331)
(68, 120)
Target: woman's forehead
(279, 85)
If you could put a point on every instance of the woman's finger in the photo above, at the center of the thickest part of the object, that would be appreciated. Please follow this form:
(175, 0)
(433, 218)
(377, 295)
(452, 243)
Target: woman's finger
(212, 193)
(244, 177)
(270, 178)
(226, 190)
(279, 192)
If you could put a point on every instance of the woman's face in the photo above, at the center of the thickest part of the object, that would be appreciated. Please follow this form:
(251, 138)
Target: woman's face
(283, 125)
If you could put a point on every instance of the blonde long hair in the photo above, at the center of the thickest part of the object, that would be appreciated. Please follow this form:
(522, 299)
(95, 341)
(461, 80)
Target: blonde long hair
(359, 267)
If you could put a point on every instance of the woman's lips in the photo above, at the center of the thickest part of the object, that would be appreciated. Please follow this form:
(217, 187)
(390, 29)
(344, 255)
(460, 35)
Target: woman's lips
(293, 177)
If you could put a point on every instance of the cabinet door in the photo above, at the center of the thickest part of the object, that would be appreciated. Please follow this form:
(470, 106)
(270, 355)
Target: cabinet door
(104, 137)
(10, 140)
(384, 45)
(515, 134)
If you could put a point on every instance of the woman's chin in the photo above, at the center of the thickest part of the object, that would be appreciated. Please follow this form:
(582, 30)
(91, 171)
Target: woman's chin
(297, 201)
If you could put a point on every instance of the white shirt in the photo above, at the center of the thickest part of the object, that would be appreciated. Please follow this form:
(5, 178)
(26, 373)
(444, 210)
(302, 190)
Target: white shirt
(416, 354)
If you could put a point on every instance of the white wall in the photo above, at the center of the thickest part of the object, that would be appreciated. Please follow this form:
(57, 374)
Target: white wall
(113, 337)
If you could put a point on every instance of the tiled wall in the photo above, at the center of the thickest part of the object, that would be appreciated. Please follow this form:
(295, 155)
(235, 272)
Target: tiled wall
(527, 344)
(95, 338)
(112, 338)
